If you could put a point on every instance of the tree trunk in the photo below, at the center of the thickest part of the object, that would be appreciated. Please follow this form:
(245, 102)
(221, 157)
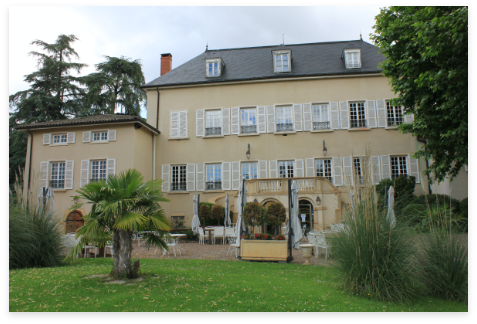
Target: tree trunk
(122, 253)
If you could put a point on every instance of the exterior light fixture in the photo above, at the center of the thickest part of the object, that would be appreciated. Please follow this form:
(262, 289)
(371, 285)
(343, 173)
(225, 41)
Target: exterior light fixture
(248, 152)
(325, 150)
(318, 200)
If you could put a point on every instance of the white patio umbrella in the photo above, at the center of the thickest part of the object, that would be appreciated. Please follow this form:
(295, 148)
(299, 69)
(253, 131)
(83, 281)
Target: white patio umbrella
(295, 222)
(227, 221)
(195, 218)
(46, 196)
(390, 215)
(353, 202)
(242, 199)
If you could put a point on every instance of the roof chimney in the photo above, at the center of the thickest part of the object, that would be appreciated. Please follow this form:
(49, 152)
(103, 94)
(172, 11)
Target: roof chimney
(166, 63)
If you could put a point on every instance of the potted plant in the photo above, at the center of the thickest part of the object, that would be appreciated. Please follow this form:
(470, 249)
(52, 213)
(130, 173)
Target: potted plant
(253, 214)
(275, 216)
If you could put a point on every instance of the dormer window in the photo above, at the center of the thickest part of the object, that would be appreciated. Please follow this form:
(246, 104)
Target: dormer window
(353, 58)
(213, 68)
(282, 61)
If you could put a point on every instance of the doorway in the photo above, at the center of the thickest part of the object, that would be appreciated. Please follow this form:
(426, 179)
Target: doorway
(74, 221)
(305, 214)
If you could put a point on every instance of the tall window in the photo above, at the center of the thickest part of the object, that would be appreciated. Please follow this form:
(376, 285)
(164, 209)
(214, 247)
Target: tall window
(352, 59)
(213, 69)
(100, 136)
(213, 122)
(394, 115)
(282, 62)
(249, 170)
(398, 166)
(98, 170)
(323, 168)
(357, 115)
(214, 177)
(248, 118)
(59, 138)
(284, 119)
(357, 170)
(179, 180)
(285, 169)
(57, 179)
(321, 118)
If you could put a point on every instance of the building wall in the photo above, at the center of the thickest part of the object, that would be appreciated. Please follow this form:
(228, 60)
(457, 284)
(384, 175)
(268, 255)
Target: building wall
(269, 146)
(458, 188)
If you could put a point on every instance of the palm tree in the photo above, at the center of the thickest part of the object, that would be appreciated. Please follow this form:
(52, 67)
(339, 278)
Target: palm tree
(119, 206)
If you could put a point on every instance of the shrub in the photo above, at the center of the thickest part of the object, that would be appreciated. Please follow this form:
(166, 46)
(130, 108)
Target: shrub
(464, 212)
(437, 199)
(275, 214)
(191, 236)
(374, 259)
(253, 214)
(208, 219)
(403, 192)
(204, 213)
(218, 213)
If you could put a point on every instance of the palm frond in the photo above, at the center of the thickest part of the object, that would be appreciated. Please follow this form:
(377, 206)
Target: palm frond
(130, 221)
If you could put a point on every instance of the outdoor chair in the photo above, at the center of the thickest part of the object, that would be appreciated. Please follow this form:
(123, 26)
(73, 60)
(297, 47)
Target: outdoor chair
(218, 233)
(110, 247)
(202, 236)
(229, 233)
(89, 247)
(321, 244)
(234, 245)
(312, 240)
(171, 244)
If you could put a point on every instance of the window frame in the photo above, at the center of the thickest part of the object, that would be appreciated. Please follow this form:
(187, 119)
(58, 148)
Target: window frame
(249, 163)
(358, 172)
(182, 185)
(61, 137)
(216, 180)
(100, 136)
(58, 163)
(281, 53)
(219, 63)
(99, 169)
(288, 163)
(360, 122)
(219, 111)
(248, 119)
(350, 52)
(287, 127)
(324, 170)
(393, 109)
(400, 158)
(321, 126)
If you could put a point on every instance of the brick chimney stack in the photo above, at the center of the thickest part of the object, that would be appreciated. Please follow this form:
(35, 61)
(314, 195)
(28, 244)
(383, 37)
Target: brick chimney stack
(166, 63)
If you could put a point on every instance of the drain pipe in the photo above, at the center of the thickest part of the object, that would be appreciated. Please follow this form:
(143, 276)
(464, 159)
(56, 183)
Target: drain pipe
(422, 140)
(29, 164)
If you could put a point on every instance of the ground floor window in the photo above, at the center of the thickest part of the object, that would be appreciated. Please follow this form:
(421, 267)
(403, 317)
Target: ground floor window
(57, 180)
(249, 170)
(323, 168)
(398, 166)
(214, 177)
(98, 170)
(285, 169)
(179, 180)
(177, 222)
(357, 163)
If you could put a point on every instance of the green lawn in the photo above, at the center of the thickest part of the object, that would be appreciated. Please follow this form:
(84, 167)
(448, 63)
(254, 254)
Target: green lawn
(197, 285)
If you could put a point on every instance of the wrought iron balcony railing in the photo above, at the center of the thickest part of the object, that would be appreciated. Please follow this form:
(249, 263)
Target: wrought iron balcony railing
(249, 129)
(57, 184)
(395, 121)
(321, 125)
(288, 127)
(179, 186)
(213, 131)
(213, 185)
(358, 123)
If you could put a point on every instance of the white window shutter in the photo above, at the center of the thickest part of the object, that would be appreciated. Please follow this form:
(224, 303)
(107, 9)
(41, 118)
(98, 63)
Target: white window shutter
(200, 182)
(235, 175)
(337, 171)
(183, 124)
(273, 168)
(270, 119)
(381, 112)
(344, 120)
(375, 169)
(310, 167)
(371, 113)
(226, 173)
(307, 118)
(409, 118)
(190, 176)
(262, 169)
(299, 171)
(226, 121)
(46, 139)
(44, 166)
(348, 170)
(166, 171)
(298, 117)
(174, 124)
(69, 173)
(261, 119)
(413, 168)
(235, 120)
(87, 137)
(111, 135)
(199, 123)
(111, 165)
(385, 167)
(71, 137)
(334, 115)
(84, 177)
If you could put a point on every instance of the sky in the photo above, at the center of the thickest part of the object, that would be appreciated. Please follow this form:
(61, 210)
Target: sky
(145, 32)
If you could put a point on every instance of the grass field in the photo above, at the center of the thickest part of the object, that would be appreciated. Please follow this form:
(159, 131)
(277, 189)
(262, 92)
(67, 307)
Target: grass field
(198, 286)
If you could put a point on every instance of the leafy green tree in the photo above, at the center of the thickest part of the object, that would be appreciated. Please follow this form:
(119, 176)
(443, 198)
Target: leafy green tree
(119, 206)
(426, 51)
(53, 94)
(116, 86)
(275, 215)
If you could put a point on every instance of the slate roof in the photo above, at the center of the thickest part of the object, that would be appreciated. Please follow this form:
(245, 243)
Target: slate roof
(97, 119)
(254, 63)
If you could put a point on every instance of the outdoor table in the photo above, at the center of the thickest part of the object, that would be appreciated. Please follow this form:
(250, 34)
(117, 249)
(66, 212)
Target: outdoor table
(176, 239)
(210, 230)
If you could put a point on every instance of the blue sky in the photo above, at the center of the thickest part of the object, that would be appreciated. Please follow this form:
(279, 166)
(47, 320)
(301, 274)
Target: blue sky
(146, 32)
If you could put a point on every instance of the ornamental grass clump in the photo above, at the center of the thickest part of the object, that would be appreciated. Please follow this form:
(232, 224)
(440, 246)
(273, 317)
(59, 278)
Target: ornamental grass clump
(374, 259)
